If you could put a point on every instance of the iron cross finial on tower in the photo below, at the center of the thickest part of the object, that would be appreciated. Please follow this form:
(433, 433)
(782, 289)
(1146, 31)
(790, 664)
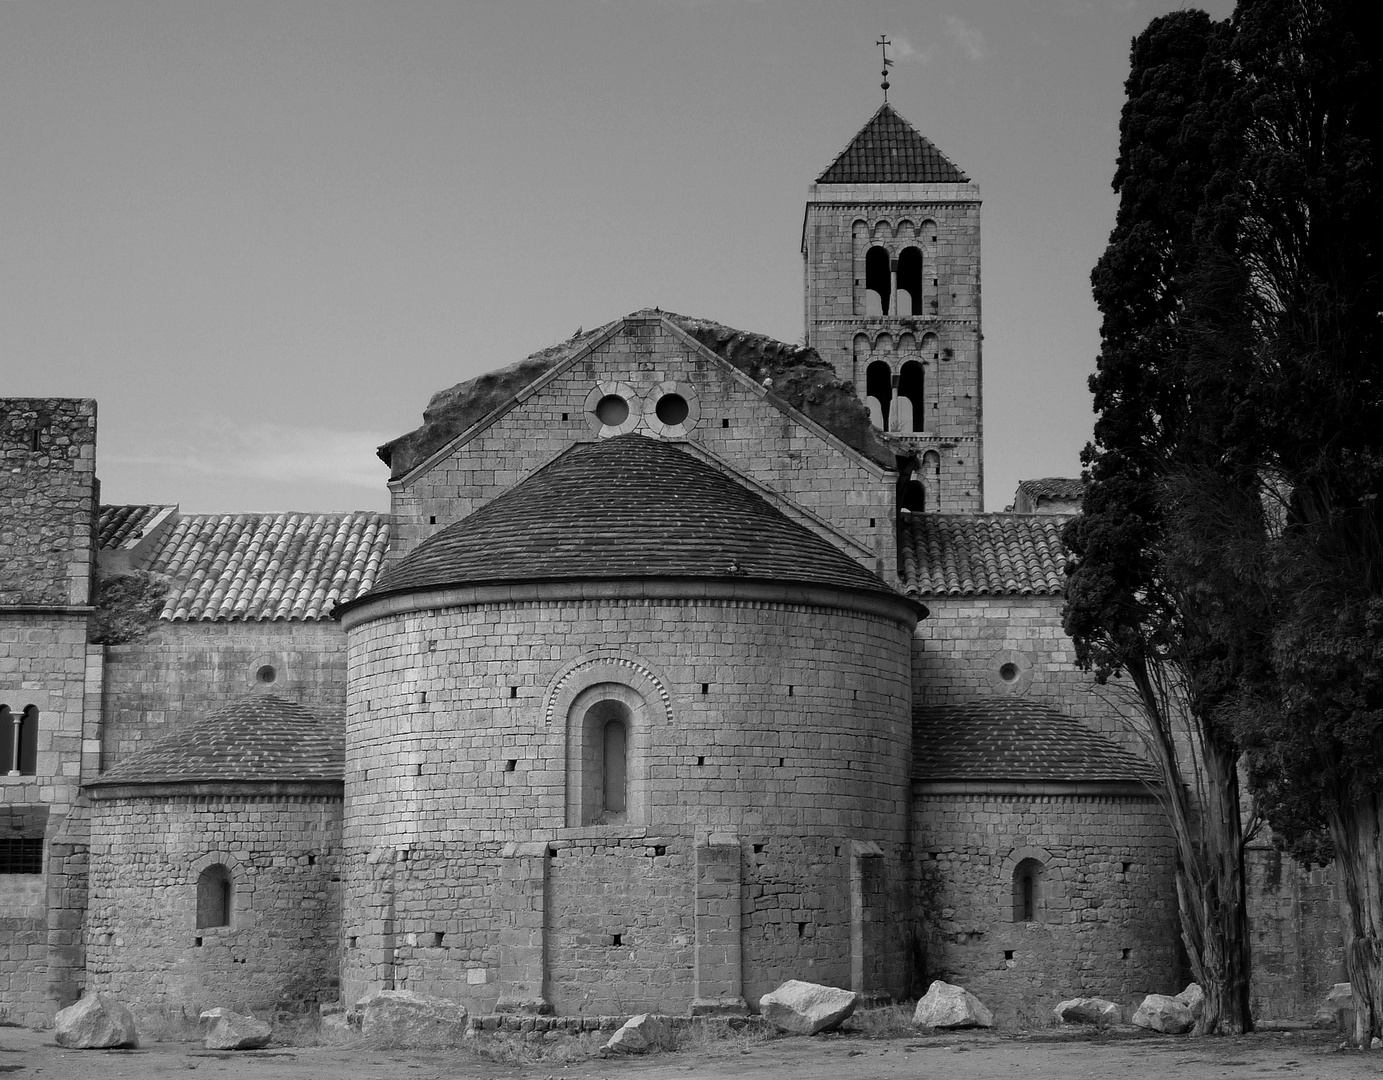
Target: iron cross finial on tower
(883, 44)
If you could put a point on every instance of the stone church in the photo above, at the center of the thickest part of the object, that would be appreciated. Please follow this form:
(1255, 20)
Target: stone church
(685, 662)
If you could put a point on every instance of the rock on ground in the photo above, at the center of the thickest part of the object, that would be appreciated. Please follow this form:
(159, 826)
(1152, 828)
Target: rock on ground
(1193, 997)
(234, 1031)
(803, 1008)
(640, 1034)
(97, 1022)
(1338, 1001)
(948, 1006)
(1162, 1013)
(410, 1019)
(1087, 1011)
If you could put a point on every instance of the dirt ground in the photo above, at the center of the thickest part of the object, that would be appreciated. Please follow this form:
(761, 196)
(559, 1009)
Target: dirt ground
(960, 1056)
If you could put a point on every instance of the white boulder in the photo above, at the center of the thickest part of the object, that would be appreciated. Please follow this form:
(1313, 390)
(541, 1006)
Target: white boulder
(641, 1034)
(1087, 1011)
(1338, 1001)
(1162, 1013)
(803, 1008)
(408, 1019)
(1193, 997)
(234, 1031)
(947, 1006)
(97, 1022)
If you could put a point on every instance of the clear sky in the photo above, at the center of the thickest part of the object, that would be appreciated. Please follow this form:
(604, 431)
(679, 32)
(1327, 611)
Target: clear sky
(262, 234)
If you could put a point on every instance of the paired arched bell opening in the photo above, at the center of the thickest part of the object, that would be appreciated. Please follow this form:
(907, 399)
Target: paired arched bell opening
(897, 402)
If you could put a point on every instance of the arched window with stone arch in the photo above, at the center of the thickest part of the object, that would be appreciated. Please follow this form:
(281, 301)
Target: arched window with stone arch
(215, 896)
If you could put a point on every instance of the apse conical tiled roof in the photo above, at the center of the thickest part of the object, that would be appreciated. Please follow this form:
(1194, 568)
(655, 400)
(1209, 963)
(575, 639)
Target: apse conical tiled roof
(263, 739)
(889, 150)
(626, 507)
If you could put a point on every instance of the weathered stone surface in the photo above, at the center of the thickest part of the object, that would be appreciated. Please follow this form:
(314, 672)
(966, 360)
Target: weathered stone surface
(1162, 1013)
(97, 1022)
(410, 1019)
(1338, 1001)
(1193, 997)
(947, 1006)
(803, 1008)
(234, 1031)
(1087, 1011)
(641, 1034)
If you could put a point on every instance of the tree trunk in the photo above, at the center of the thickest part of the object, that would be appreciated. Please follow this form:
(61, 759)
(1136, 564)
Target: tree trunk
(1211, 888)
(1357, 830)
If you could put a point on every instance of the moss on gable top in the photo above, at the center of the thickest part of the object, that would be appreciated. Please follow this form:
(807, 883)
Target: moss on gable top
(800, 378)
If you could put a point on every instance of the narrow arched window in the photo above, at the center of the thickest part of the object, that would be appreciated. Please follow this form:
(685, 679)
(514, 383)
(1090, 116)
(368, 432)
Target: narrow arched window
(19, 741)
(910, 281)
(615, 770)
(914, 496)
(910, 386)
(1027, 891)
(877, 282)
(215, 896)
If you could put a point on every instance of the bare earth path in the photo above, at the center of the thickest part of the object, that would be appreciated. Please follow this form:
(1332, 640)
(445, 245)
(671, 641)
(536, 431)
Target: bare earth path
(970, 1056)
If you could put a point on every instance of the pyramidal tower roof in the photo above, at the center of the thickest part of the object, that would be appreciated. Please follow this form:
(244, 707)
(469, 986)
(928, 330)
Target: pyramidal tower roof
(889, 150)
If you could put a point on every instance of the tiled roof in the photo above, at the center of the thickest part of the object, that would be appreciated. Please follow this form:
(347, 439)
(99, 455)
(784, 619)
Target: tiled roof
(889, 150)
(627, 507)
(123, 526)
(1062, 488)
(1014, 739)
(262, 738)
(267, 566)
(982, 554)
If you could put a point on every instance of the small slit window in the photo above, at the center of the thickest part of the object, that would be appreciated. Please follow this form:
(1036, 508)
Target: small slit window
(215, 896)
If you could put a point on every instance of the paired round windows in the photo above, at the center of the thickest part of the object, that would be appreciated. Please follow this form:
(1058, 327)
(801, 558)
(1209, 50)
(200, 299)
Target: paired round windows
(616, 409)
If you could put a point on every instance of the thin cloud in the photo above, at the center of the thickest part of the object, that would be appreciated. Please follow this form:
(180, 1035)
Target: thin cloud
(905, 53)
(967, 37)
(263, 451)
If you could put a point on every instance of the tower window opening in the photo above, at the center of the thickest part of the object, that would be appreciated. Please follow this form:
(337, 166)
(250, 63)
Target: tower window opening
(878, 389)
(877, 281)
(910, 406)
(910, 282)
(215, 896)
(914, 496)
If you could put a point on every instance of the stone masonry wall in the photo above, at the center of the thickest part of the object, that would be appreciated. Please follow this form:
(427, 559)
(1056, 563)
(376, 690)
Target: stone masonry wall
(46, 662)
(781, 725)
(48, 490)
(729, 419)
(282, 947)
(959, 649)
(1298, 942)
(1107, 912)
(181, 671)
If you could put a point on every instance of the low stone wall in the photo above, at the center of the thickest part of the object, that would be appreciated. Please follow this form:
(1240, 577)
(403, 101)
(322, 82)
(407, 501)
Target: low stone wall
(280, 950)
(1105, 916)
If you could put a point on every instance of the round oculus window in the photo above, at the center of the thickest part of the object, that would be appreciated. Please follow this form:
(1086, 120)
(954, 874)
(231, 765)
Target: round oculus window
(672, 409)
(266, 674)
(1008, 672)
(612, 410)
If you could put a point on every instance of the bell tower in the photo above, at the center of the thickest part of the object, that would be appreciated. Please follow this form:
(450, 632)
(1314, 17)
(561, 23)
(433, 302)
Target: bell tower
(891, 253)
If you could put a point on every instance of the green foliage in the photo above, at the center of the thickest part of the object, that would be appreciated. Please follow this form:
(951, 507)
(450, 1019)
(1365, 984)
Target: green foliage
(127, 605)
